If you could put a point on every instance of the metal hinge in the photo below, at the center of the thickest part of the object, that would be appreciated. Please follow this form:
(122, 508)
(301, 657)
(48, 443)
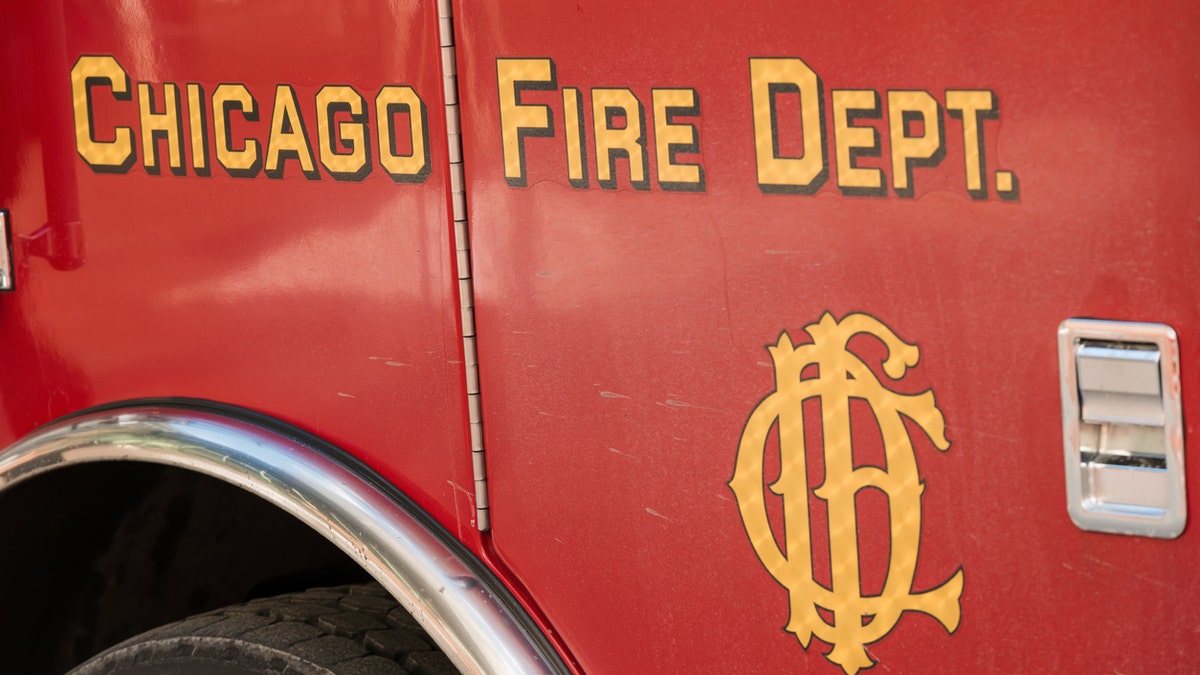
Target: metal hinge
(462, 247)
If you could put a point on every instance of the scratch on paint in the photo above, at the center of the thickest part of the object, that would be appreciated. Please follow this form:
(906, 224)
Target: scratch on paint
(380, 358)
(345, 395)
(623, 454)
(659, 515)
(522, 332)
(561, 417)
(782, 251)
(1132, 574)
(470, 500)
(459, 488)
(559, 540)
(724, 497)
(716, 228)
(396, 363)
(673, 403)
(610, 394)
(876, 659)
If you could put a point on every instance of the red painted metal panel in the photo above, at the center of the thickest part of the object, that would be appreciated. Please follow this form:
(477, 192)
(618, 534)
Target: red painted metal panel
(625, 306)
(328, 303)
(622, 327)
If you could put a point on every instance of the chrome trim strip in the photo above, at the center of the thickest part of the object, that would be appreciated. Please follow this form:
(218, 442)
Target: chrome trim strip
(6, 266)
(467, 617)
(462, 246)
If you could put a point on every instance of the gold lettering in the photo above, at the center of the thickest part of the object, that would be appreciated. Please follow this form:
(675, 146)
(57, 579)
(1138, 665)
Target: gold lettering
(413, 167)
(853, 141)
(518, 120)
(168, 124)
(117, 155)
(671, 138)
(288, 137)
(352, 134)
(619, 141)
(770, 77)
(199, 129)
(576, 145)
(908, 151)
(972, 107)
(244, 163)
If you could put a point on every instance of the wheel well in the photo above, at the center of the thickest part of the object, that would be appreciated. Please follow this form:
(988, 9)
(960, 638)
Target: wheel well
(106, 548)
(95, 553)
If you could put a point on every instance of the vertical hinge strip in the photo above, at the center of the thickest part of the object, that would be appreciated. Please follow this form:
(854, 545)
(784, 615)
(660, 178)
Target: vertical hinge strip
(462, 246)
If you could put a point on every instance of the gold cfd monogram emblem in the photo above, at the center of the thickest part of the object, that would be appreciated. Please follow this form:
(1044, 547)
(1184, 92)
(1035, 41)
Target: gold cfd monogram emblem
(858, 619)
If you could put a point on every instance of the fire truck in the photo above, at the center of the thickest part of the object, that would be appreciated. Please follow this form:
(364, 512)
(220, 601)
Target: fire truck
(599, 337)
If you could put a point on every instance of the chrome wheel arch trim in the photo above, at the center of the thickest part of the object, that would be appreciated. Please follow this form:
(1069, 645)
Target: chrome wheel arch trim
(454, 598)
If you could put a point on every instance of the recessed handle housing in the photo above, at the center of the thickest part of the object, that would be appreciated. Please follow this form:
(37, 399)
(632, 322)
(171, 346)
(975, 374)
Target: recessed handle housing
(1122, 427)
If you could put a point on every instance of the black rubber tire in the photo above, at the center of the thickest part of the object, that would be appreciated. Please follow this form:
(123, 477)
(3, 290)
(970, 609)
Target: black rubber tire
(349, 630)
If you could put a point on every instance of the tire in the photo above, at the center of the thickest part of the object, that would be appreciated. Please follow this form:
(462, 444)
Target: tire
(349, 630)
